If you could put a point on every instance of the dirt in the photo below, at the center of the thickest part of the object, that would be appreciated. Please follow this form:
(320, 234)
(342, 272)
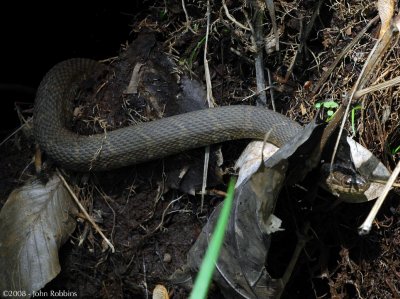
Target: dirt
(153, 218)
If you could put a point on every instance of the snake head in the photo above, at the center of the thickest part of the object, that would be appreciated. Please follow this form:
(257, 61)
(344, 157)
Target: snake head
(343, 183)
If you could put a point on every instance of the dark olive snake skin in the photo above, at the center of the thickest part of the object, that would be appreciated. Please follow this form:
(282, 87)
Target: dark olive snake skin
(145, 141)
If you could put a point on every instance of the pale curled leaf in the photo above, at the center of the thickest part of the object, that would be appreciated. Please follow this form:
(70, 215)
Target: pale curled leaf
(34, 222)
(370, 168)
(386, 10)
(250, 160)
(274, 224)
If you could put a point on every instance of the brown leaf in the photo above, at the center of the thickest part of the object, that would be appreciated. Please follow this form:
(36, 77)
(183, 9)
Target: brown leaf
(34, 222)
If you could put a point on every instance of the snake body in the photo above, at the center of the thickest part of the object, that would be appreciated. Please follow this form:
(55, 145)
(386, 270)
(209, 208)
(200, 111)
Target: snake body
(145, 141)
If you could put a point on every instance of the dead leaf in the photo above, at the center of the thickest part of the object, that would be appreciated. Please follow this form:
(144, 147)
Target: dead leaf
(303, 109)
(369, 167)
(34, 222)
(250, 159)
(386, 10)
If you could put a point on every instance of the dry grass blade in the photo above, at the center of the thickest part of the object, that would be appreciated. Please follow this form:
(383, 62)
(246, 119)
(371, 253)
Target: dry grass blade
(354, 41)
(13, 133)
(188, 26)
(211, 103)
(25, 123)
(365, 228)
(88, 217)
(373, 58)
(257, 35)
(376, 87)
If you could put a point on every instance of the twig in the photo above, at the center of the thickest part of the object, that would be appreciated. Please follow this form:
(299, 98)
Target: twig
(245, 58)
(373, 57)
(15, 132)
(88, 217)
(376, 87)
(205, 175)
(210, 98)
(304, 35)
(163, 214)
(144, 279)
(365, 228)
(187, 18)
(259, 57)
(310, 24)
(301, 242)
(210, 101)
(25, 123)
(271, 9)
(396, 185)
(101, 192)
(255, 93)
(25, 168)
(346, 49)
(271, 90)
(230, 17)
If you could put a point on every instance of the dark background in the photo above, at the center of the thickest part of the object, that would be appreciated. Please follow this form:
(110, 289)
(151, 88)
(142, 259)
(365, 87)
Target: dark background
(35, 38)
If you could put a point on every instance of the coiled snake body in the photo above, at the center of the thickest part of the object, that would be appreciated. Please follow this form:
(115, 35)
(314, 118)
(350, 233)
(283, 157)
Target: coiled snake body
(145, 141)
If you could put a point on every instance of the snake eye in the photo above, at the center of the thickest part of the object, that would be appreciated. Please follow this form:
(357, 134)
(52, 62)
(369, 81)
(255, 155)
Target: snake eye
(349, 181)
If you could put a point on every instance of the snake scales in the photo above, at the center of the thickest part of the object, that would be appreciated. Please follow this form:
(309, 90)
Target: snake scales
(145, 141)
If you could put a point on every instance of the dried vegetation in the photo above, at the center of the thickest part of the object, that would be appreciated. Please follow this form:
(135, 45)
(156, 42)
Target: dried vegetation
(146, 223)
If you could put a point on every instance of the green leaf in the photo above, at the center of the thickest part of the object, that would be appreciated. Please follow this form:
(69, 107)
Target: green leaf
(331, 104)
(207, 268)
(396, 150)
(328, 105)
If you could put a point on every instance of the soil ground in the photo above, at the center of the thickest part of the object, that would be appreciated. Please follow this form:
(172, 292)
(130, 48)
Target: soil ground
(153, 218)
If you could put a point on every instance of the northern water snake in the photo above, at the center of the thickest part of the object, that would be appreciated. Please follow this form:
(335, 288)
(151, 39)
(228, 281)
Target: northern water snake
(145, 141)
(149, 140)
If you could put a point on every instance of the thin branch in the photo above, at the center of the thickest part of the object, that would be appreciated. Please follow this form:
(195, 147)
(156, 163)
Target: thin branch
(346, 49)
(365, 228)
(210, 101)
(271, 90)
(271, 9)
(376, 87)
(210, 98)
(230, 17)
(187, 18)
(88, 217)
(373, 58)
(16, 131)
(304, 35)
(256, 39)
(164, 213)
(301, 242)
